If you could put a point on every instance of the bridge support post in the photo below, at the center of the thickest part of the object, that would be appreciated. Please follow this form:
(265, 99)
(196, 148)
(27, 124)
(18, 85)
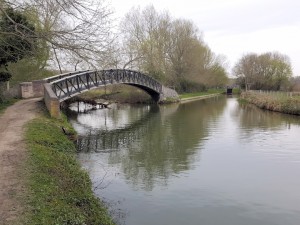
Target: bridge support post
(51, 101)
(168, 95)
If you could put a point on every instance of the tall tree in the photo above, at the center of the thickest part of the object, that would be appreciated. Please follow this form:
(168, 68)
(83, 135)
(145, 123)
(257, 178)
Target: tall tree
(268, 71)
(16, 41)
(145, 38)
(170, 50)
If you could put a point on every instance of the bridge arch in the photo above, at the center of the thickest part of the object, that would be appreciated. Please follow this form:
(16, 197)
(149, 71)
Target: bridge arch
(64, 86)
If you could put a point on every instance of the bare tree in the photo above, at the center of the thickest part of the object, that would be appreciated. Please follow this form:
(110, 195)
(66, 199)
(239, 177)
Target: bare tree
(145, 38)
(170, 50)
(73, 29)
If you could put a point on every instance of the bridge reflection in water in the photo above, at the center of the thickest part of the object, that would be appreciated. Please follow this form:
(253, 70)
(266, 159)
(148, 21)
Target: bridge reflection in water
(115, 139)
(214, 161)
(147, 141)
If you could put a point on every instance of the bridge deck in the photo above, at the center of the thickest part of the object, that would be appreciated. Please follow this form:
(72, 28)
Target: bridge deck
(74, 84)
(64, 86)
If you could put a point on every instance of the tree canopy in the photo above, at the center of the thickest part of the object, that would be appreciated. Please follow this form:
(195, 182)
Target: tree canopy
(16, 39)
(170, 50)
(68, 31)
(268, 71)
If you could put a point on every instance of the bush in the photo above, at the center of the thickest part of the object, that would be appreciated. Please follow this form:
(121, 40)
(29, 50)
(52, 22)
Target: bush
(187, 86)
(4, 76)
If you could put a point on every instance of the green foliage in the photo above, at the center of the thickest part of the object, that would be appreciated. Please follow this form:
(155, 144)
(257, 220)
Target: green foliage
(236, 91)
(269, 71)
(196, 94)
(217, 76)
(118, 93)
(23, 55)
(189, 86)
(170, 50)
(16, 37)
(169, 100)
(60, 191)
(27, 70)
(4, 76)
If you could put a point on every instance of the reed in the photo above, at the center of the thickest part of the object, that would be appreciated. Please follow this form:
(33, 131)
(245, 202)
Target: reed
(278, 102)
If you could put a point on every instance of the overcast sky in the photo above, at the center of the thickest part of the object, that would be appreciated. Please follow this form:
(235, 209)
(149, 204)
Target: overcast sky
(236, 27)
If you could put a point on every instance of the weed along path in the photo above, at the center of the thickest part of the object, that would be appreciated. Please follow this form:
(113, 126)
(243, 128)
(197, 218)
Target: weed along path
(12, 157)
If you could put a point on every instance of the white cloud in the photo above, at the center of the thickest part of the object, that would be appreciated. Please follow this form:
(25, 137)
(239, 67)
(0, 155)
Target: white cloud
(235, 27)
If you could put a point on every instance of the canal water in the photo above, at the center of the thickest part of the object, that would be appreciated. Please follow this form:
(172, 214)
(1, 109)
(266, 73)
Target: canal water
(212, 162)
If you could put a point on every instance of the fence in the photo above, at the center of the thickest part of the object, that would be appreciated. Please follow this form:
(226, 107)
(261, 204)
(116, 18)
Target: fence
(277, 93)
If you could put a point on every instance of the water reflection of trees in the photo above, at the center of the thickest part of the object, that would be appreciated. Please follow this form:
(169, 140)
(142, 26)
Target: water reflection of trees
(163, 143)
(252, 118)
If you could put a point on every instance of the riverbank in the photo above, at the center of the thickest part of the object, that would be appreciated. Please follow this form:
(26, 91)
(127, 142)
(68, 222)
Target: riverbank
(282, 103)
(124, 94)
(187, 97)
(60, 191)
(184, 100)
(118, 94)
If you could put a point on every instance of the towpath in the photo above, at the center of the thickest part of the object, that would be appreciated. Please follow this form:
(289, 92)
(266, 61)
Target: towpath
(13, 154)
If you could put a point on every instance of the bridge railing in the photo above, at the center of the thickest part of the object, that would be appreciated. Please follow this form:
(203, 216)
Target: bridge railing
(277, 93)
(60, 76)
(70, 85)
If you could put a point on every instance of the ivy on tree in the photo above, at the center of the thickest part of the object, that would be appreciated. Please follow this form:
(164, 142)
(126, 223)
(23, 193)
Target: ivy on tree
(16, 39)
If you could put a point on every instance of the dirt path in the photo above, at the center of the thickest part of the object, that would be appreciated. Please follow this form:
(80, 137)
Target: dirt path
(12, 155)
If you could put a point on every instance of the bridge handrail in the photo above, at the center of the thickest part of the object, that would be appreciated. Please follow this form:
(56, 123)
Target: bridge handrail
(61, 76)
(67, 85)
(80, 73)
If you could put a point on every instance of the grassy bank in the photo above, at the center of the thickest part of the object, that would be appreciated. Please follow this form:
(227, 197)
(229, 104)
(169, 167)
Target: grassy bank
(199, 95)
(118, 93)
(274, 102)
(236, 91)
(60, 192)
(128, 94)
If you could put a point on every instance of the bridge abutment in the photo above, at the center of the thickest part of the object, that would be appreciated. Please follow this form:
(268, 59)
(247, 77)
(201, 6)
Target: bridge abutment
(51, 101)
(168, 95)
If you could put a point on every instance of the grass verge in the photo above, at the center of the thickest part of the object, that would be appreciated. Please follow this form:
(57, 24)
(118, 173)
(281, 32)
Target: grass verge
(196, 94)
(277, 103)
(60, 192)
(236, 91)
(118, 93)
